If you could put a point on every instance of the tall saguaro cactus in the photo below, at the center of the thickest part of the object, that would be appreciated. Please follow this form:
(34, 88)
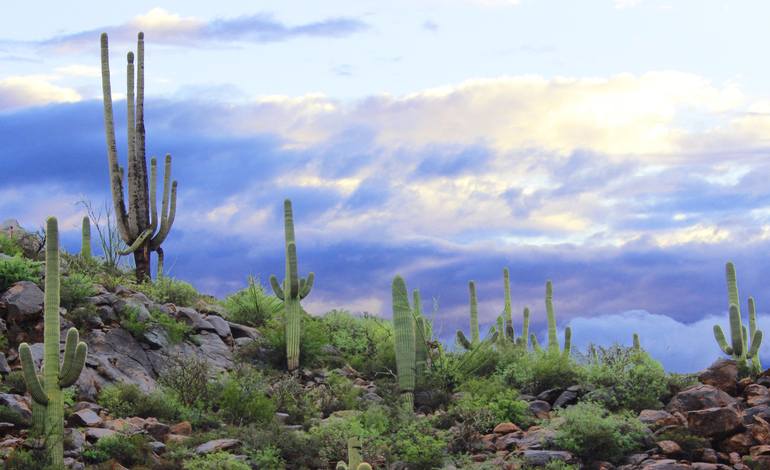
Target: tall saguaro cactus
(507, 312)
(85, 245)
(745, 354)
(524, 339)
(475, 337)
(293, 290)
(403, 323)
(138, 225)
(553, 340)
(422, 335)
(46, 391)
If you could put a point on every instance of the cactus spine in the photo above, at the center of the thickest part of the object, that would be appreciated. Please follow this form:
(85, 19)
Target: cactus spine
(745, 354)
(507, 312)
(355, 462)
(85, 246)
(48, 404)
(294, 289)
(403, 323)
(138, 226)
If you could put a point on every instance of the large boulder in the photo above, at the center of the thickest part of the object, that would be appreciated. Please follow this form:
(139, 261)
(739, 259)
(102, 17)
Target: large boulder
(699, 397)
(717, 421)
(23, 301)
(722, 374)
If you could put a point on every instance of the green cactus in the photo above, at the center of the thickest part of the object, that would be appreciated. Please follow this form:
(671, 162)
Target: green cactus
(355, 461)
(474, 313)
(85, 246)
(535, 342)
(510, 333)
(637, 344)
(294, 289)
(403, 323)
(422, 335)
(523, 340)
(46, 391)
(138, 225)
(745, 354)
(553, 340)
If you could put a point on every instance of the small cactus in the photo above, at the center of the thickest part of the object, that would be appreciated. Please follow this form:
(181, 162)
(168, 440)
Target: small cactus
(85, 246)
(354, 457)
(46, 389)
(637, 343)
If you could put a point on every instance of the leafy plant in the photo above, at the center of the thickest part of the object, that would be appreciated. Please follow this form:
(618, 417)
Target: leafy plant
(123, 400)
(131, 323)
(188, 378)
(128, 450)
(16, 268)
(216, 461)
(176, 330)
(539, 370)
(243, 398)
(9, 246)
(75, 288)
(252, 306)
(169, 290)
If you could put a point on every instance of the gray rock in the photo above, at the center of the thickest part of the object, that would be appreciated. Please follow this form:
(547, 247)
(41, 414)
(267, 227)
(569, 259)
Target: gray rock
(94, 434)
(243, 331)
(122, 305)
(194, 319)
(241, 342)
(23, 301)
(85, 417)
(4, 368)
(17, 403)
(220, 326)
(714, 421)
(550, 395)
(107, 313)
(6, 427)
(540, 408)
(74, 439)
(106, 298)
(156, 337)
(699, 397)
(566, 398)
(157, 447)
(217, 445)
(539, 458)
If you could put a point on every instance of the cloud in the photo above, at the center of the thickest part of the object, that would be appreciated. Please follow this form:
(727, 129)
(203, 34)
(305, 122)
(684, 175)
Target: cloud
(33, 90)
(169, 28)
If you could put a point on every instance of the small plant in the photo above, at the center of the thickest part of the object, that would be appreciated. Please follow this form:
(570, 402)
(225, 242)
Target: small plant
(252, 306)
(124, 400)
(176, 330)
(14, 383)
(21, 459)
(217, 461)
(8, 415)
(188, 378)
(131, 323)
(75, 288)
(268, 458)
(17, 269)
(243, 399)
(592, 433)
(128, 450)
(169, 290)
(538, 370)
(9, 246)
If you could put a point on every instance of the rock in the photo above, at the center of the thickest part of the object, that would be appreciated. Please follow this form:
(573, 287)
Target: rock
(104, 298)
(722, 374)
(71, 464)
(4, 368)
(118, 357)
(714, 421)
(220, 326)
(183, 428)
(537, 438)
(82, 405)
(739, 443)
(194, 319)
(761, 411)
(371, 396)
(94, 434)
(156, 337)
(107, 313)
(6, 427)
(85, 417)
(704, 466)
(23, 301)
(243, 331)
(550, 395)
(156, 429)
(657, 418)
(539, 458)
(699, 397)
(760, 450)
(217, 445)
(241, 342)
(137, 306)
(157, 447)
(18, 404)
(506, 428)
(756, 395)
(670, 448)
(132, 425)
(666, 464)
(636, 459)
(540, 409)
(74, 440)
(566, 398)
(175, 438)
(709, 455)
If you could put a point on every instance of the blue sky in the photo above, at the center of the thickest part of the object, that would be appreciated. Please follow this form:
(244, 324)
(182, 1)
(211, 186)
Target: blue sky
(619, 148)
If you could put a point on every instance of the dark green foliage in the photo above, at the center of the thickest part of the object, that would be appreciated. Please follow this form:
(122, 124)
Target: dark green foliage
(216, 461)
(592, 433)
(539, 370)
(692, 445)
(365, 342)
(312, 342)
(14, 383)
(419, 445)
(83, 315)
(625, 378)
(291, 397)
(128, 450)
(21, 459)
(17, 269)
(9, 246)
(252, 306)
(75, 288)
(176, 330)
(124, 400)
(7, 415)
(169, 290)
(131, 322)
(243, 399)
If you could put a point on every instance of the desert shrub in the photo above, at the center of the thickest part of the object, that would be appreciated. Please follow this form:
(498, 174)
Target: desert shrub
(418, 445)
(75, 288)
(176, 330)
(17, 269)
(243, 399)
(692, 445)
(112, 278)
(340, 395)
(678, 382)
(188, 378)
(3, 342)
(14, 382)
(297, 447)
(124, 400)
(591, 432)
(131, 323)
(312, 342)
(252, 306)
(76, 264)
(215, 461)
(9, 246)
(623, 378)
(372, 426)
(83, 316)
(8, 415)
(21, 459)
(366, 343)
(538, 371)
(268, 458)
(128, 450)
(170, 290)
(291, 397)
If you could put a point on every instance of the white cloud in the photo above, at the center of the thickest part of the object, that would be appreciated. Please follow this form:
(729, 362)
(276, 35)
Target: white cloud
(33, 90)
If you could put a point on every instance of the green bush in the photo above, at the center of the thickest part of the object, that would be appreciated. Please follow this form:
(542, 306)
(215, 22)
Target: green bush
(252, 306)
(366, 342)
(589, 431)
(17, 269)
(131, 323)
(75, 288)
(21, 459)
(124, 400)
(170, 290)
(176, 330)
(692, 445)
(268, 458)
(291, 397)
(216, 461)
(418, 445)
(7, 415)
(538, 371)
(243, 399)
(82, 316)
(624, 378)
(312, 342)
(128, 450)
(9, 246)
(188, 378)
(14, 383)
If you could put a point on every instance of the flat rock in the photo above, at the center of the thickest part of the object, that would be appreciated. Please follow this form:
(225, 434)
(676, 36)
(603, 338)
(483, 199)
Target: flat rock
(657, 418)
(669, 447)
(220, 326)
(714, 421)
(506, 428)
(22, 301)
(194, 319)
(243, 331)
(756, 395)
(539, 458)
(699, 397)
(217, 445)
(17, 403)
(94, 434)
(85, 417)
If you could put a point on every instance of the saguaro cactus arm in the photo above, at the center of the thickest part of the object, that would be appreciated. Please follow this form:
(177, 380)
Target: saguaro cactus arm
(553, 342)
(30, 375)
(75, 352)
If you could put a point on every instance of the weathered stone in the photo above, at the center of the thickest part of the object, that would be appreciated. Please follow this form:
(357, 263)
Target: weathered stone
(566, 398)
(85, 417)
(550, 395)
(722, 374)
(156, 429)
(636, 459)
(739, 443)
(217, 445)
(183, 428)
(136, 306)
(156, 337)
(756, 395)
(709, 455)
(670, 448)
(4, 368)
(762, 411)
(540, 409)
(94, 434)
(506, 428)
(666, 464)
(699, 397)
(539, 458)
(23, 301)
(74, 439)
(714, 421)
(220, 326)
(18, 404)
(194, 319)
(157, 447)
(243, 331)
(175, 438)
(657, 418)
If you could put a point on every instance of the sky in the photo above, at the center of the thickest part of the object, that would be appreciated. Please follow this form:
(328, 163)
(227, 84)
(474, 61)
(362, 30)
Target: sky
(616, 147)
